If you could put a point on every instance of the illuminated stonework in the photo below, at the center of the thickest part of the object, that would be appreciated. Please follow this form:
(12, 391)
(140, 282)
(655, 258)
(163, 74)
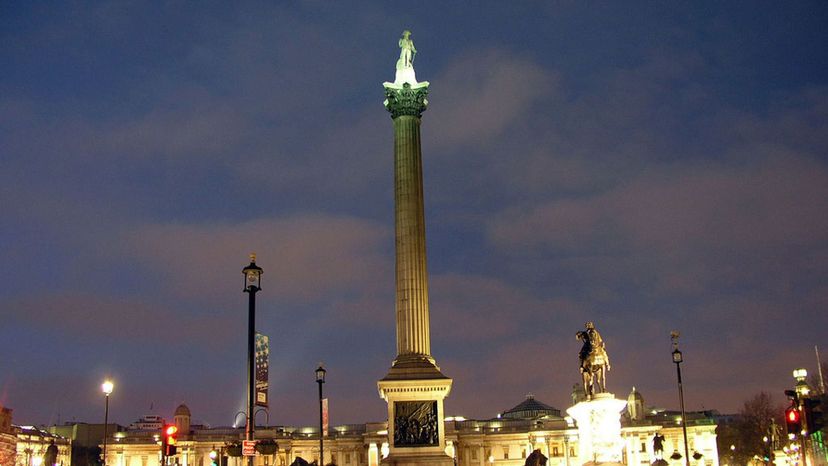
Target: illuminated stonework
(8, 441)
(504, 441)
(599, 429)
(33, 446)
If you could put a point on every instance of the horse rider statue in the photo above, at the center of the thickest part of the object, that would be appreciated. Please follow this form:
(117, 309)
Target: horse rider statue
(594, 360)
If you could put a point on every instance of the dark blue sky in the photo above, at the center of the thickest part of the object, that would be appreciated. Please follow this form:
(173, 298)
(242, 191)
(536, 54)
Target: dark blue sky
(647, 166)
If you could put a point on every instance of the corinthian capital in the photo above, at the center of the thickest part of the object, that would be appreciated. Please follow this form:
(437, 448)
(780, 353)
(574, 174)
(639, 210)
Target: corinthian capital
(406, 100)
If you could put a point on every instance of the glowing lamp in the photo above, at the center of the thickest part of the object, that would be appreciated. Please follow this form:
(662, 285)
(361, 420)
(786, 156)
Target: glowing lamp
(252, 276)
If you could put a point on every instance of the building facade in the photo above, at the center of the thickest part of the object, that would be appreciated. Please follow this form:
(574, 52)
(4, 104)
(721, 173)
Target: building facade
(503, 441)
(86, 439)
(38, 447)
(8, 440)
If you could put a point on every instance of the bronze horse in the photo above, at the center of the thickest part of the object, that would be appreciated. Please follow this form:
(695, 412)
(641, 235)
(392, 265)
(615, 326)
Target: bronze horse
(536, 458)
(594, 363)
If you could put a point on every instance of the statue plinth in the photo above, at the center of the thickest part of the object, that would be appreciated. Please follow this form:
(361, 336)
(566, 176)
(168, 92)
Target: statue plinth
(403, 76)
(599, 429)
(416, 431)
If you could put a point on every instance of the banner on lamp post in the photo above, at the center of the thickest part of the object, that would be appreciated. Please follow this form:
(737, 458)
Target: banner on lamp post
(324, 417)
(262, 363)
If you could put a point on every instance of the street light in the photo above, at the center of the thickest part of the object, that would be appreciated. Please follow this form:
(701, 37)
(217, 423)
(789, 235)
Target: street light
(678, 359)
(252, 284)
(106, 387)
(802, 387)
(320, 379)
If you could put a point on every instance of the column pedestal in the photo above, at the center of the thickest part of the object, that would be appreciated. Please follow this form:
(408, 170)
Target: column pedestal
(599, 429)
(416, 431)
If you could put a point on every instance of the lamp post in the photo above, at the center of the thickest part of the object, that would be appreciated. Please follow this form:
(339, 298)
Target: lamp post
(320, 379)
(252, 284)
(677, 359)
(106, 387)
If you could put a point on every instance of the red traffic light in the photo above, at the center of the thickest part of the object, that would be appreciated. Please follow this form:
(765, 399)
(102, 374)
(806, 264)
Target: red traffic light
(792, 415)
(793, 420)
(168, 447)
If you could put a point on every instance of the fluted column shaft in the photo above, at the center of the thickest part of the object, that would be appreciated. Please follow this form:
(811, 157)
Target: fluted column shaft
(406, 104)
(411, 274)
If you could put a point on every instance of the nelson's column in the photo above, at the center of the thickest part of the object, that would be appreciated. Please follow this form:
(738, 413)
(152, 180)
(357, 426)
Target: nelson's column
(414, 386)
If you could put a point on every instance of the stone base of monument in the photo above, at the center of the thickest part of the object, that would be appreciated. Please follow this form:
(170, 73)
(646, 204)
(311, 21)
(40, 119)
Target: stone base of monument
(415, 389)
(599, 429)
(418, 460)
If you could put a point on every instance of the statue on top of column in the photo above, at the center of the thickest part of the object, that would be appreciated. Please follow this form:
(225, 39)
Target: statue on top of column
(407, 51)
(594, 360)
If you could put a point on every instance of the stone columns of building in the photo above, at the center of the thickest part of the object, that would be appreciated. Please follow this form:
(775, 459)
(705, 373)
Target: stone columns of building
(414, 387)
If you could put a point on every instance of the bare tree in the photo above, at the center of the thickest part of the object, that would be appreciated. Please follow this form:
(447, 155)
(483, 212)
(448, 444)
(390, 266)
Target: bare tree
(753, 424)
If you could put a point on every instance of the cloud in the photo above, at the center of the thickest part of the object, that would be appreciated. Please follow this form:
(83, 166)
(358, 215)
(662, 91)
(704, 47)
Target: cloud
(482, 94)
(88, 316)
(480, 310)
(305, 258)
(686, 214)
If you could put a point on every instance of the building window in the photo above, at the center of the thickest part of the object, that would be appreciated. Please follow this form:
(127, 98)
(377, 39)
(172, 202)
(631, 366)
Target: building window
(643, 447)
(347, 458)
(571, 451)
(505, 453)
(474, 453)
(523, 453)
(555, 451)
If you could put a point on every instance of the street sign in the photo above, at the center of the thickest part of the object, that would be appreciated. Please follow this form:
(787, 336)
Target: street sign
(248, 448)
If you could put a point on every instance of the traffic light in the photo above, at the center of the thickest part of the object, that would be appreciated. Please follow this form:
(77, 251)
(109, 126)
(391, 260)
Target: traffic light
(813, 414)
(793, 419)
(168, 447)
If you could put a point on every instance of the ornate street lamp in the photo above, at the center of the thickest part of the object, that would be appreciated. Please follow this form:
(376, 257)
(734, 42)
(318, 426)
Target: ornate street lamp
(106, 387)
(802, 387)
(320, 379)
(252, 284)
(677, 359)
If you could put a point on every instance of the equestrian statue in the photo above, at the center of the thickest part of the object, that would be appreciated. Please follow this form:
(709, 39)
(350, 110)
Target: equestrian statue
(594, 361)
(536, 458)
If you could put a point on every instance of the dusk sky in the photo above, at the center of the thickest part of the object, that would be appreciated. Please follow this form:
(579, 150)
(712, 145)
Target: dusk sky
(646, 166)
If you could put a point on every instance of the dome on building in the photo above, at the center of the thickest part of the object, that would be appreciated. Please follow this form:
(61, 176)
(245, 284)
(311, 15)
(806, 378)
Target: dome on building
(182, 410)
(531, 408)
(635, 405)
